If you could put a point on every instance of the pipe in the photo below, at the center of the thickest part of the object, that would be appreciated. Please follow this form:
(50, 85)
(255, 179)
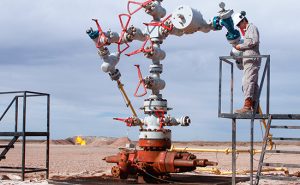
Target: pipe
(226, 151)
(242, 172)
(184, 163)
(194, 163)
(127, 101)
(112, 159)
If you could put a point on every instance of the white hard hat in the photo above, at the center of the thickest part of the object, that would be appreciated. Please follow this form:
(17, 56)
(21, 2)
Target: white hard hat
(238, 17)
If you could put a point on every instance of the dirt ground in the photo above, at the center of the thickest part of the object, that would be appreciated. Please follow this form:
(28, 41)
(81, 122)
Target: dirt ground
(74, 164)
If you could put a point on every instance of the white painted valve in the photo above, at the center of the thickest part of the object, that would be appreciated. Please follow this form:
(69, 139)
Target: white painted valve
(183, 121)
(113, 37)
(156, 10)
(138, 35)
(109, 62)
(156, 54)
(154, 83)
(189, 20)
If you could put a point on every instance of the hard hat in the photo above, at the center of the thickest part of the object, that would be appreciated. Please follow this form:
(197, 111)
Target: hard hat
(238, 17)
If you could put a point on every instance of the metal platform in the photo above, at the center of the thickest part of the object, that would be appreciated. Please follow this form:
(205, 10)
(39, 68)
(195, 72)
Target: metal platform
(23, 97)
(257, 116)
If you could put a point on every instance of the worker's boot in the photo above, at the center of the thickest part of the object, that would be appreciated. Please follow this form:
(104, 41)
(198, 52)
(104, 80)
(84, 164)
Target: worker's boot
(247, 107)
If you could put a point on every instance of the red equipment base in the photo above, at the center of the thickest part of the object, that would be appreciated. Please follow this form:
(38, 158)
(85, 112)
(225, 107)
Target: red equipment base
(154, 164)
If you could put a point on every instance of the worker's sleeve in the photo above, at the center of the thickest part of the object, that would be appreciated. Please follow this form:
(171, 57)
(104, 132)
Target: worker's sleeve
(251, 40)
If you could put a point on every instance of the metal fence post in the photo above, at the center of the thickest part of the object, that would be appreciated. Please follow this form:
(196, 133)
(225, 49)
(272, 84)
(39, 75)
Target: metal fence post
(233, 151)
(48, 136)
(24, 136)
(16, 113)
(220, 88)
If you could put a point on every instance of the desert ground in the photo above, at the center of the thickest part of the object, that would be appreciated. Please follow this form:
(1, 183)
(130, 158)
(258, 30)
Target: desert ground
(75, 164)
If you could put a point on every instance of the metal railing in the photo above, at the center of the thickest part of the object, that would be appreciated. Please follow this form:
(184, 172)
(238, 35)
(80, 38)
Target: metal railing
(266, 73)
(253, 116)
(23, 96)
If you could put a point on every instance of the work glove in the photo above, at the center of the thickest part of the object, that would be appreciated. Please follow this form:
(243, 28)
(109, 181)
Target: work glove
(238, 61)
(239, 64)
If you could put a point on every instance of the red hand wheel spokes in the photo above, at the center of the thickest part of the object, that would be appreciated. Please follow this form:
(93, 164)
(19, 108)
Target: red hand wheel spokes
(128, 121)
(124, 29)
(162, 23)
(101, 35)
(142, 49)
(140, 6)
(141, 83)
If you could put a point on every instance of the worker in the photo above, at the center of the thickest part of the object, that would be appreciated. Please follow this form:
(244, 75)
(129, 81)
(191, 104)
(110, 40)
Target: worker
(251, 66)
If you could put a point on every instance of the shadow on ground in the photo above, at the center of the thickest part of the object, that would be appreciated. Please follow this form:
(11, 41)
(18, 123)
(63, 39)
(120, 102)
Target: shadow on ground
(175, 179)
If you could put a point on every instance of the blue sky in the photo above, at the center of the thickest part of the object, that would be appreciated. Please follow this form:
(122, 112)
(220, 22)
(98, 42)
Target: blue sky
(43, 47)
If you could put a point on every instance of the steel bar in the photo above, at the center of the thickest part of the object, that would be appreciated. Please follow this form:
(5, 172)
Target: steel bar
(35, 95)
(18, 168)
(16, 114)
(241, 57)
(22, 92)
(285, 127)
(264, 116)
(268, 86)
(286, 116)
(251, 149)
(281, 165)
(36, 170)
(24, 137)
(264, 146)
(48, 137)
(32, 92)
(14, 171)
(242, 116)
(220, 89)
(233, 151)
(9, 171)
(24, 134)
(286, 138)
(5, 150)
(231, 89)
(294, 179)
(225, 151)
(5, 146)
(8, 107)
(227, 61)
(12, 92)
(282, 152)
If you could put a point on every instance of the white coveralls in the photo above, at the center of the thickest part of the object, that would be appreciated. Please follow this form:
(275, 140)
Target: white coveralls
(251, 65)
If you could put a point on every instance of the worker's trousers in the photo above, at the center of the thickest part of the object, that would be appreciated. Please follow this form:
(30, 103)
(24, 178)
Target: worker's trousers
(250, 78)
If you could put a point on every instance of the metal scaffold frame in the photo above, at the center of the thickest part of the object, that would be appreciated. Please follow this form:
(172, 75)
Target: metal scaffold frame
(234, 117)
(253, 116)
(23, 134)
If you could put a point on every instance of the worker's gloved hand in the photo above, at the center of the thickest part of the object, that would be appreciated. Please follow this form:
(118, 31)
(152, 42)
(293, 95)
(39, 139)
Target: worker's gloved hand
(237, 47)
(239, 64)
(238, 61)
